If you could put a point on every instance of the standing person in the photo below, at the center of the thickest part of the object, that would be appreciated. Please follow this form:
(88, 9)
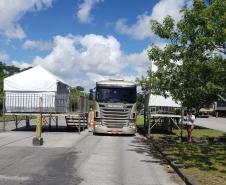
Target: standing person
(190, 122)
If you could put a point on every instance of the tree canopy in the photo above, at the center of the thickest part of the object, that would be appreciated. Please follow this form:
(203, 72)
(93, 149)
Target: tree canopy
(5, 71)
(192, 66)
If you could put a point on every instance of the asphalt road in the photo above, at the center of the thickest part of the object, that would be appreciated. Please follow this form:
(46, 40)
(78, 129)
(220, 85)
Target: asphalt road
(69, 158)
(212, 123)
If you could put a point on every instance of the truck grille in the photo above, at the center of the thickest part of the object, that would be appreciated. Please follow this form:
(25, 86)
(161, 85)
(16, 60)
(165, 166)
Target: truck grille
(115, 118)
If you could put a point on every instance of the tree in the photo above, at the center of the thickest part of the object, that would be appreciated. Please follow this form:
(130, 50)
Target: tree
(80, 88)
(192, 65)
(75, 94)
(4, 72)
(140, 101)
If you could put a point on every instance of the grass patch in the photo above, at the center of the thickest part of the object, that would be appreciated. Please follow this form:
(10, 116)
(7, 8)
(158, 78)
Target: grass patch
(200, 133)
(140, 120)
(205, 162)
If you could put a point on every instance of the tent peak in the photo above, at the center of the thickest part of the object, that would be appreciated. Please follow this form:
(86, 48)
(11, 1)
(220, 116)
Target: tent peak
(51, 74)
(34, 79)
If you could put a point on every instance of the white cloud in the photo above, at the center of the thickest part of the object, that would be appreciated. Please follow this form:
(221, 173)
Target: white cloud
(4, 57)
(12, 11)
(83, 54)
(61, 59)
(37, 45)
(167, 7)
(138, 61)
(141, 29)
(84, 11)
(21, 64)
(83, 60)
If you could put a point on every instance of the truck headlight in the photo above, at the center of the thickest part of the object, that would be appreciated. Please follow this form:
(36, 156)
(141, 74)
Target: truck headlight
(131, 124)
(97, 123)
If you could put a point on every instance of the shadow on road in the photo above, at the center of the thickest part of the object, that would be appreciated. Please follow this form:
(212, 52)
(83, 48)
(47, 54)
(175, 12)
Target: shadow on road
(115, 135)
(141, 146)
(48, 129)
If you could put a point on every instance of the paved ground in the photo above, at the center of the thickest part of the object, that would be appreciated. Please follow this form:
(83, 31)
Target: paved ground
(70, 158)
(21, 123)
(213, 123)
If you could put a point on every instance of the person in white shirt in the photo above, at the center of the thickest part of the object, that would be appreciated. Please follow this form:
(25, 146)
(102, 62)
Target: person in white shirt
(190, 122)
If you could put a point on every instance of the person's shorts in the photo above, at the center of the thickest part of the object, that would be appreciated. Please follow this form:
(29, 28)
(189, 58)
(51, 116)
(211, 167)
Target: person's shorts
(188, 126)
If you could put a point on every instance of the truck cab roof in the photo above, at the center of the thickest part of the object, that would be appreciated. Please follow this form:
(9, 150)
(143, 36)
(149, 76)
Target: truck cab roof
(116, 83)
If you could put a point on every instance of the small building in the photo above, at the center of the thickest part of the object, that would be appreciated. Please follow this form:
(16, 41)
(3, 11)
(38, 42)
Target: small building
(162, 113)
(35, 90)
(220, 107)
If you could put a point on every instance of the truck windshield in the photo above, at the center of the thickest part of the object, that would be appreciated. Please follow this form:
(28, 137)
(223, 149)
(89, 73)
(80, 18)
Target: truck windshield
(116, 94)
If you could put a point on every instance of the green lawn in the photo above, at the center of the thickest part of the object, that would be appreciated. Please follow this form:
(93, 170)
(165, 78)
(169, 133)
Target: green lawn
(200, 133)
(140, 120)
(204, 161)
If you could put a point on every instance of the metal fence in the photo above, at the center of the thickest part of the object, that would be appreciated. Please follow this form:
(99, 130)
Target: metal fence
(164, 110)
(46, 103)
(78, 104)
(83, 104)
(32, 103)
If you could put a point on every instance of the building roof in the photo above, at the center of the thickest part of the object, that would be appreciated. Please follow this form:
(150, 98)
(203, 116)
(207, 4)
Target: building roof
(156, 100)
(35, 79)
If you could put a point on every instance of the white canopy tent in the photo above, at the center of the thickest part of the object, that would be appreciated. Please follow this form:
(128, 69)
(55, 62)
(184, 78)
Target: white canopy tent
(160, 104)
(156, 100)
(33, 89)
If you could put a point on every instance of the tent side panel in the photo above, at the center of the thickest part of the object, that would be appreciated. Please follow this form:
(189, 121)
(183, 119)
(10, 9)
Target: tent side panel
(61, 103)
(62, 98)
(28, 102)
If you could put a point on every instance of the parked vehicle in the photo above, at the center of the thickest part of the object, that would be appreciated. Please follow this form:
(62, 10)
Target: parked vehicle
(220, 108)
(115, 107)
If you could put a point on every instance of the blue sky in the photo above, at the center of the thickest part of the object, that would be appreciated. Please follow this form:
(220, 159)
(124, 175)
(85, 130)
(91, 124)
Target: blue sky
(82, 41)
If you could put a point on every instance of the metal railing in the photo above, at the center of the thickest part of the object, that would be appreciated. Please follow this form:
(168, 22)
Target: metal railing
(30, 103)
(51, 103)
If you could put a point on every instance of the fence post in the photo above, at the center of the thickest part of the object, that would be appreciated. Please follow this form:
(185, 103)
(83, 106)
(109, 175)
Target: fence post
(27, 121)
(3, 129)
(3, 114)
(83, 116)
(182, 123)
(16, 121)
(38, 140)
(57, 122)
(50, 119)
(79, 121)
(149, 124)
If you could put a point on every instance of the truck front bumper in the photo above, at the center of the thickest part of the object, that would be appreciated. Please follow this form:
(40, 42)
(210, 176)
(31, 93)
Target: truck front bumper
(101, 129)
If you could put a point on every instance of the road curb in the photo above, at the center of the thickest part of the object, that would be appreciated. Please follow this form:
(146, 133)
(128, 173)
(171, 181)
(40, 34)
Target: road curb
(176, 167)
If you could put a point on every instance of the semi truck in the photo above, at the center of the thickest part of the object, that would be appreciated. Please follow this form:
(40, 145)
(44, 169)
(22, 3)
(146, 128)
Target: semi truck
(115, 109)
